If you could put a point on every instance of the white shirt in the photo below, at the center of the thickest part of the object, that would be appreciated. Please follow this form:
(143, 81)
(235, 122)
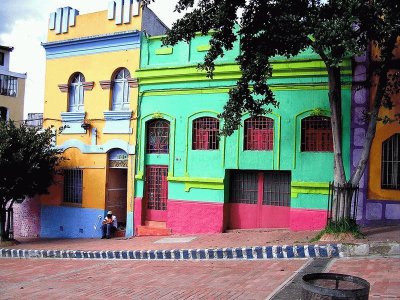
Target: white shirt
(114, 221)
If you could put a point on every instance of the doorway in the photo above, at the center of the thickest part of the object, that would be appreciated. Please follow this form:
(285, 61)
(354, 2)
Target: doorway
(156, 193)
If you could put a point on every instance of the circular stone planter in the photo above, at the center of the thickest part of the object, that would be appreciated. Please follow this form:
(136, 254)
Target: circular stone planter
(334, 286)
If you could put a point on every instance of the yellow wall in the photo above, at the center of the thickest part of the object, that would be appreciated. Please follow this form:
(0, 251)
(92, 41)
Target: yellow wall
(95, 67)
(94, 24)
(15, 105)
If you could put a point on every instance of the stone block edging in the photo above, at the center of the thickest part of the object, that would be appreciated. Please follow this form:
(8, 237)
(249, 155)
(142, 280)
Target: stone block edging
(241, 253)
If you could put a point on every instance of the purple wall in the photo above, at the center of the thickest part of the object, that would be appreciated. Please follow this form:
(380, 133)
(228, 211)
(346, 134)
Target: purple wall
(369, 211)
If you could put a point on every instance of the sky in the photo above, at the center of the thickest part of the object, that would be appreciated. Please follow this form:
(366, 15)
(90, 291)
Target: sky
(24, 25)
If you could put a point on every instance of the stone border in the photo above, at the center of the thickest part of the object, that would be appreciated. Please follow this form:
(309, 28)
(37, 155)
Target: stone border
(245, 253)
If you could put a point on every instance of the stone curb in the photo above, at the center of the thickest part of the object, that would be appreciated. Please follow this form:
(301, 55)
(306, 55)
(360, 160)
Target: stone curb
(372, 249)
(245, 253)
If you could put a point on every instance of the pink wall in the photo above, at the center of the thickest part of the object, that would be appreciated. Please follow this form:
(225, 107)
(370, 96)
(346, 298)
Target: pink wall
(307, 219)
(247, 216)
(27, 218)
(138, 214)
(186, 217)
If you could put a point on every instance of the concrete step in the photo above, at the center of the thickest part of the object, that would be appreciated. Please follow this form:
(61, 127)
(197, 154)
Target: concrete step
(152, 231)
(155, 224)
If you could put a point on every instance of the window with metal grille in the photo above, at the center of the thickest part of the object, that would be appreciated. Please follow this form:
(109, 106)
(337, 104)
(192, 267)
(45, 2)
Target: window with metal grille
(156, 187)
(316, 134)
(8, 85)
(120, 100)
(73, 186)
(277, 188)
(391, 163)
(259, 133)
(76, 94)
(205, 134)
(157, 136)
(244, 187)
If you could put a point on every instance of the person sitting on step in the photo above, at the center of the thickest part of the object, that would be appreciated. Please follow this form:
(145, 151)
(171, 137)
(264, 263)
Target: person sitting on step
(109, 225)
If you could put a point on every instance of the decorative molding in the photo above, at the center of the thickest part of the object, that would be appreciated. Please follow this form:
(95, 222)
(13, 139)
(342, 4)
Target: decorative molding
(117, 122)
(203, 48)
(164, 51)
(72, 122)
(105, 84)
(88, 85)
(117, 115)
(63, 88)
(199, 183)
(110, 42)
(133, 82)
(62, 19)
(158, 115)
(319, 188)
(98, 149)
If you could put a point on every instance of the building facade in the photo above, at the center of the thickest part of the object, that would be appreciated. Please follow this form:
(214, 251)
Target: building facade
(271, 173)
(91, 99)
(12, 89)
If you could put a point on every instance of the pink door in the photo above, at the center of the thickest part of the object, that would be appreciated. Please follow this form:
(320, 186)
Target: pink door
(259, 199)
(156, 193)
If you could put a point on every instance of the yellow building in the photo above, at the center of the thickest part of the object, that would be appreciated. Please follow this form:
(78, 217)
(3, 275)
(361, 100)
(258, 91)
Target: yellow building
(91, 96)
(12, 89)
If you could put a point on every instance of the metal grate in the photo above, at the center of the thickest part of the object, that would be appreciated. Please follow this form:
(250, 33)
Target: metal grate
(259, 133)
(8, 85)
(390, 173)
(277, 188)
(316, 134)
(73, 185)
(156, 187)
(205, 134)
(158, 136)
(244, 187)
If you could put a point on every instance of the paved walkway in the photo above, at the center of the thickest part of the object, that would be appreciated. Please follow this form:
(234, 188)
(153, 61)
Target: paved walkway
(232, 239)
(93, 279)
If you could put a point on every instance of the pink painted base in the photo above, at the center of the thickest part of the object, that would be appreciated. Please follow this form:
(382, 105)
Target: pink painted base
(138, 213)
(187, 217)
(307, 219)
(247, 216)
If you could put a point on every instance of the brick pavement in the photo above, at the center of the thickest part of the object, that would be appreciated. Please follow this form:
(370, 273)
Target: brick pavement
(84, 279)
(382, 273)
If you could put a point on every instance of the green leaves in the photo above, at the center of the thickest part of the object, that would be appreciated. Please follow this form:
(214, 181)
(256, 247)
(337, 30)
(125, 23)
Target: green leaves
(27, 161)
(266, 28)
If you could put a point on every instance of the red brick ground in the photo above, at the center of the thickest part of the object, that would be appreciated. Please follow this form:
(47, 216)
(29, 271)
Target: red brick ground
(382, 273)
(85, 279)
(239, 238)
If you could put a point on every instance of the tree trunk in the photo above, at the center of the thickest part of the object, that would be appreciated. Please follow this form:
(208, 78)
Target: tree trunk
(3, 236)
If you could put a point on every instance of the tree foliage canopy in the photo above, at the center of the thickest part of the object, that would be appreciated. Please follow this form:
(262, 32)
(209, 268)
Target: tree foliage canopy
(28, 161)
(334, 29)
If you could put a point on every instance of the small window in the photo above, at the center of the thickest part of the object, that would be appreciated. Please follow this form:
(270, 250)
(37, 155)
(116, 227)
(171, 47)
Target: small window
(120, 93)
(205, 134)
(3, 113)
(158, 136)
(316, 134)
(259, 133)
(8, 85)
(391, 163)
(277, 186)
(76, 94)
(1, 58)
(73, 186)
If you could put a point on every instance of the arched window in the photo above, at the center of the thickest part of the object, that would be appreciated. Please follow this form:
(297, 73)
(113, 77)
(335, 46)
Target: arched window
(316, 134)
(157, 136)
(259, 133)
(120, 92)
(205, 134)
(76, 95)
(3, 113)
(391, 163)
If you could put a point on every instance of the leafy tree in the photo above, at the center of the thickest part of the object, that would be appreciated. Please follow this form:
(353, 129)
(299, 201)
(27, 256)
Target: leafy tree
(334, 29)
(28, 164)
